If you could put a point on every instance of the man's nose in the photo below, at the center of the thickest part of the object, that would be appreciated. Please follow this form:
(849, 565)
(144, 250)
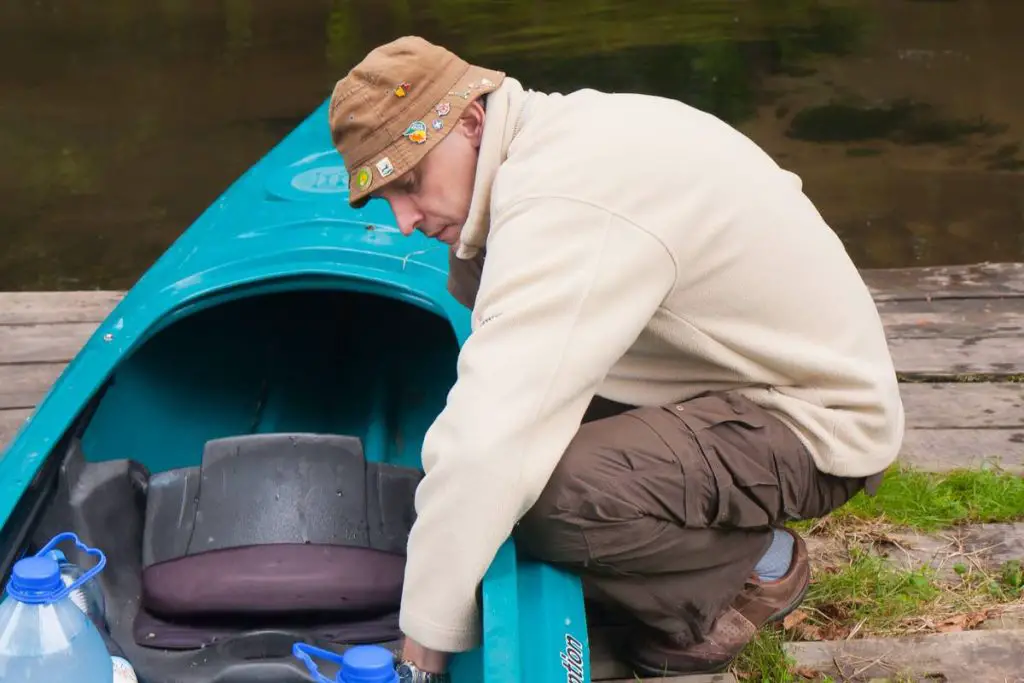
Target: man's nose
(409, 218)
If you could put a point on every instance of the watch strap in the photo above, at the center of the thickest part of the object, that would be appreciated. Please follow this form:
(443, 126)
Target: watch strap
(410, 673)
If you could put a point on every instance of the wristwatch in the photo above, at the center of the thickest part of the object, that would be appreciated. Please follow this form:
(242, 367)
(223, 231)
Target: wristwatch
(409, 673)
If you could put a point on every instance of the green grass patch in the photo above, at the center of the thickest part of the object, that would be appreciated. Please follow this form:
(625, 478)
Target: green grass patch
(868, 597)
(928, 501)
(971, 378)
(870, 594)
(856, 592)
(764, 660)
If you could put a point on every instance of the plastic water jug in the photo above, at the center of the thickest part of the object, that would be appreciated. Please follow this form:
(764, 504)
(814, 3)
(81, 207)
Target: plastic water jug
(87, 596)
(359, 664)
(44, 636)
(123, 671)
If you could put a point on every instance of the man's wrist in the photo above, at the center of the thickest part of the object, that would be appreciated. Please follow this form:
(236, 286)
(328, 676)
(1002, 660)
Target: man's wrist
(423, 657)
(408, 672)
(420, 664)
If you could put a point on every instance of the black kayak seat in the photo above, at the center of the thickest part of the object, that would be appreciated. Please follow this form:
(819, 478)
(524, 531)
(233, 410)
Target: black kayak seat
(276, 525)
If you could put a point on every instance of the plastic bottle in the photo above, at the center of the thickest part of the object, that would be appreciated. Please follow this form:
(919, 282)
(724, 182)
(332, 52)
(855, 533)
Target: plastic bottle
(359, 664)
(123, 671)
(87, 597)
(44, 636)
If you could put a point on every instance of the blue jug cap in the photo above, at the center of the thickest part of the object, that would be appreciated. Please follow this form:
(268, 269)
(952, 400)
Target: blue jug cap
(368, 664)
(36, 581)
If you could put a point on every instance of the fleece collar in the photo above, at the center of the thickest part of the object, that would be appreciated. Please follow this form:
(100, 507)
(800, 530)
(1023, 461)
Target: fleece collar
(506, 113)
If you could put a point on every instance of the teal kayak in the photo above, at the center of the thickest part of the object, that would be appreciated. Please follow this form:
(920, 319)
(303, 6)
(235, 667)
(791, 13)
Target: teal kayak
(280, 311)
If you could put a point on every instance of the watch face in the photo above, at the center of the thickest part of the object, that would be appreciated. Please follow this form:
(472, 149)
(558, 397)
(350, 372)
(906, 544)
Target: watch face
(404, 673)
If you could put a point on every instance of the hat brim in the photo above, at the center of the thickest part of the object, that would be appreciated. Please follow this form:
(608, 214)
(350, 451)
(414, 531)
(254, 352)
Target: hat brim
(402, 155)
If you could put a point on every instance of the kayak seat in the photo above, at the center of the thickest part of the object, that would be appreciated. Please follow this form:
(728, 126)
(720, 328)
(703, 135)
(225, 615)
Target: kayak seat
(280, 527)
(277, 524)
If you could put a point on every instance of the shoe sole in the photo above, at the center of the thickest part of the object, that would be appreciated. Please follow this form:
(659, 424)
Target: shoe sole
(665, 673)
(725, 666)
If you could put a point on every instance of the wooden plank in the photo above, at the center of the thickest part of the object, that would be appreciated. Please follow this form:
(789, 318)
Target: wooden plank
(941, 450)
(49, 343)
(959, 657)
(10, 422)
(979, 280)
(988, 545)
(23, 386)
(984, 280)
(914, 357)
(982, 405)
(56, 307)
(953, 318)
(998, 356)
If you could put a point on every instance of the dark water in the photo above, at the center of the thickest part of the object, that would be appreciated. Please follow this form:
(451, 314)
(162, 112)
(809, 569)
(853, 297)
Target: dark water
(120, 120)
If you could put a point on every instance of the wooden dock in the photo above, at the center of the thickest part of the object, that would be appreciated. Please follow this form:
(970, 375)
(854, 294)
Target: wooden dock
(956, 335)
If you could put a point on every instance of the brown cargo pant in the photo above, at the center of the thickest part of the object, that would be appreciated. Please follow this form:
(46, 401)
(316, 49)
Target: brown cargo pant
(664, 511)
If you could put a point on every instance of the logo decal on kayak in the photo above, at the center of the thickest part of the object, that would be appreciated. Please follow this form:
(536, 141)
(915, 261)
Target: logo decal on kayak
(572, 660)
(321, 180)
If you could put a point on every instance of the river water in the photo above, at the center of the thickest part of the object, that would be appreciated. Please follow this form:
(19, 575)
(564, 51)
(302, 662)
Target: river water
(121, 120)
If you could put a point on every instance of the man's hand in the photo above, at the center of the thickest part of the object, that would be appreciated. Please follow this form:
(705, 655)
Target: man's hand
(424, 658)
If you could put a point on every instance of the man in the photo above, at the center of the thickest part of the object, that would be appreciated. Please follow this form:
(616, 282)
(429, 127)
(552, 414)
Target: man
(672, 354)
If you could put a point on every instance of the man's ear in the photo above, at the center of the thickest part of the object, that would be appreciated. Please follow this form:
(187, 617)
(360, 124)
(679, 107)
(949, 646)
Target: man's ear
(471, 123)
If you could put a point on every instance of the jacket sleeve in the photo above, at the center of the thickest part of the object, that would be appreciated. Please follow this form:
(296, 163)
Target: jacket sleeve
(566, 290)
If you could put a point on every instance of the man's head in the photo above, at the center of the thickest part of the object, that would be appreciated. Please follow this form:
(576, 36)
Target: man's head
(408, 122)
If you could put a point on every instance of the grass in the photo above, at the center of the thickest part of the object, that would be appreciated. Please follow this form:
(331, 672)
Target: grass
(868, 597)
(765, 660)
(972, 378)
(926, 501)
(856, 592)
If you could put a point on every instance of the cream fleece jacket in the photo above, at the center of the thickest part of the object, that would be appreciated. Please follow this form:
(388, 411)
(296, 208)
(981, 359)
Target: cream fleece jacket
(645, 251)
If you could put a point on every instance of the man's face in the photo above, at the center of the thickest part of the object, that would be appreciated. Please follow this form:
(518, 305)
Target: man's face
(434, 196)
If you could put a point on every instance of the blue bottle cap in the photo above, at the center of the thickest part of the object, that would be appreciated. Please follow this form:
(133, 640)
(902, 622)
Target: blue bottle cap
(368, 664)
(35, 580)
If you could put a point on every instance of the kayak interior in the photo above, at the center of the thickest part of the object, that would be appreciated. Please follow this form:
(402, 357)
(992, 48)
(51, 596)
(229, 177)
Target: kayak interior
(237, 468)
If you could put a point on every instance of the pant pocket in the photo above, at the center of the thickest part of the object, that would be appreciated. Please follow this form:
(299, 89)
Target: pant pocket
(734, 442)
(631, 548)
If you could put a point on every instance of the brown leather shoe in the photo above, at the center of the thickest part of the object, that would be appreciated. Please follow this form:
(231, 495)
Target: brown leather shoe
(760, 602)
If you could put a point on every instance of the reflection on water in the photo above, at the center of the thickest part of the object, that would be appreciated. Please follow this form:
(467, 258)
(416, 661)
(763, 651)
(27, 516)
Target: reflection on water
(121, 120)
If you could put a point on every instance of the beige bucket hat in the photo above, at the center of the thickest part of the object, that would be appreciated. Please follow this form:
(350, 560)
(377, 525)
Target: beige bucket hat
(395, 105)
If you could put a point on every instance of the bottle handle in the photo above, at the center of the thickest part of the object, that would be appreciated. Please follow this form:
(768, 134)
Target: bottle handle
(87, 576)
(303, 652)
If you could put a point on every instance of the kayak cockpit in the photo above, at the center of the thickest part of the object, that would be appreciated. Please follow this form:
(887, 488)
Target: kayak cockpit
(249, 471)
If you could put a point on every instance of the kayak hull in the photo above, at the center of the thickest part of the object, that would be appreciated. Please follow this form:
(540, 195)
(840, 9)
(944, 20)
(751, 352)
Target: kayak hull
(281, 309)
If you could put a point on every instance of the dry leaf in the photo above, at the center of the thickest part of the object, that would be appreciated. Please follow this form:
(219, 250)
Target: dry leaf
(793, 618)
(805, 672)
(808, 632)
(961, 622)
(834, 631)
